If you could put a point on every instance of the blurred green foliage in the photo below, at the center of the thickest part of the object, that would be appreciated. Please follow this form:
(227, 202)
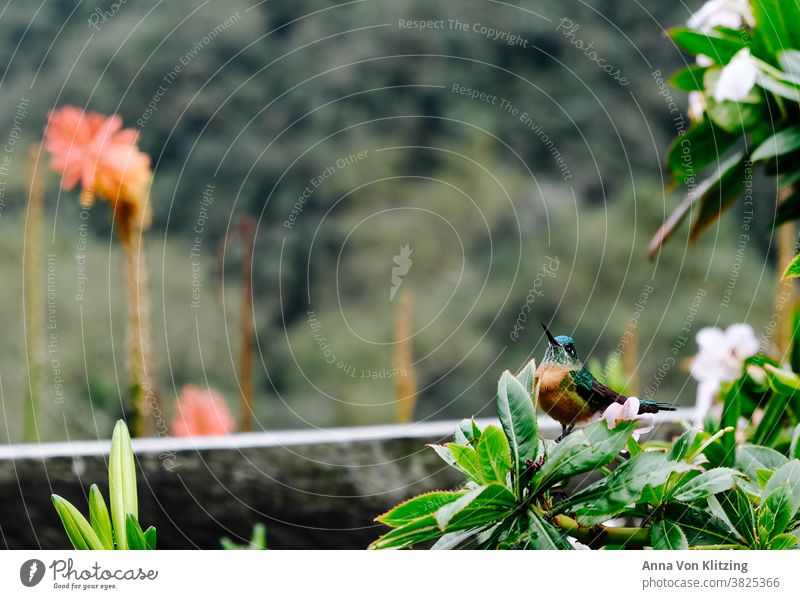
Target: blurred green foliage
(280, 94)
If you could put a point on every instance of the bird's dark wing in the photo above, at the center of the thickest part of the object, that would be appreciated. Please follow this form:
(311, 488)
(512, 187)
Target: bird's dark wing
(599, 397)
(592, 391)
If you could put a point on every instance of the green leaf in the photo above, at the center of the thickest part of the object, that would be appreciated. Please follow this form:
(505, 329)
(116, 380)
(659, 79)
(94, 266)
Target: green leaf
(418, 507)
(135, 536)
(708, 483)
(466, 460)
(771, 29)
(493, 456)
(769, 427)
(751, 458)
(625, 486)
(667, 535)
(793, 270)
(788, 473)
(776, 511)
(99, 518)
(794, 446)
(704, 144)
(717, 193)
(731, 411)
(584, 450)
(78, 529)
(487, 503)
(689, 79)
(783, 541)
(545, 536)
(680, 448)
(700, 527)
(453, 540)
(150, 537)
(716, 46)
(783, 142)
(527, 376)
(122, 482)
(467, 432)
(518, 418)
(739, 513)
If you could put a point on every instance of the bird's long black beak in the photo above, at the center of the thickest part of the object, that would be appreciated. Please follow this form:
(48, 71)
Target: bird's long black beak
(550, 339)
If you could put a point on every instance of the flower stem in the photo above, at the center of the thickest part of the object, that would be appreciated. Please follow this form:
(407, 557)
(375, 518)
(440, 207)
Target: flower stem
(597, 536)
(33, 294)
(143, 398)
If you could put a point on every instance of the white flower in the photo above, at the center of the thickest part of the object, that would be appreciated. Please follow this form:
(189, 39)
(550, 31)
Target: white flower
(617, 412)
(697, 106)
(703, 61)
(737, 77)
(722, 13)
(720, 359)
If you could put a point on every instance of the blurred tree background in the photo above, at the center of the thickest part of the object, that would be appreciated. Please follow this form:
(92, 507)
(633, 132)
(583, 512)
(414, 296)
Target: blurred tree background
(346, 132)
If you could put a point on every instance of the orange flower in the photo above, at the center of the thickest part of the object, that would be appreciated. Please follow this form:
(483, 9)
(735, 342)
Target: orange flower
(201, 412)
(95, 151)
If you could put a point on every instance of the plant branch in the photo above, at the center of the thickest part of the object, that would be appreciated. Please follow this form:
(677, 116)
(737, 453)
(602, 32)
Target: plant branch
(597, 536)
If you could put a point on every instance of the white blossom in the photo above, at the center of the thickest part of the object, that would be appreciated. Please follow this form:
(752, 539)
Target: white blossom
(737, 77)
(617, 412)
(722, 13)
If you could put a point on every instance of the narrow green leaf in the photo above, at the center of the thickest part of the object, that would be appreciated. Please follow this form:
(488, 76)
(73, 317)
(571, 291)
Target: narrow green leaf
(99, 518)
(784, 541)
(135, 536)
(545, 536)
(689, 79)
(776, 511)
(122, 482)
(708, 483)
(667, 535)
(150, 537)
(731, 411)
(769, 427)
(418, 507)
(794, 446)
(739, 513)
(714, 45)
(518, 418)
(78, 529)
(494, 455)
(487, 502)
(717, 193)
(584, 450)
(606, 498)
(783, 142)
(793, 270)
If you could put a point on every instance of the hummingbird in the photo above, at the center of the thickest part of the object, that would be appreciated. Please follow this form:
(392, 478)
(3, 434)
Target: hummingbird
(569, 393)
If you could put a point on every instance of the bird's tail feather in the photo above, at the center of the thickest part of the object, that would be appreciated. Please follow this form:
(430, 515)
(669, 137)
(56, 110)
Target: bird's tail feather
(653, 407)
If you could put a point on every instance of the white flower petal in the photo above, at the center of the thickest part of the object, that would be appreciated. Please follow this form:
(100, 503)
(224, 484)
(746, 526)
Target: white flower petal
(742, 340)
(737, 78)
(722, 13)
(630, 409)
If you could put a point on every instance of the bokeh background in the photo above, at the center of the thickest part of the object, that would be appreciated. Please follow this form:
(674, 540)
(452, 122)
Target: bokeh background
(344, 132)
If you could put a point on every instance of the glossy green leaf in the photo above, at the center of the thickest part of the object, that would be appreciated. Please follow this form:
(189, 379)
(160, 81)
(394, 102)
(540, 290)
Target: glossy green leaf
(467, 461)
(776, 511)
(771, 29)
(769, 426)
(794, 446)
(731, 411)
(708, 483)
(150, 537)
(418, 507)
(717, 193)
(783, 142)
(606, 498)
(545, 536)
(122, 482)
(527, 376)
(751, 458)
(689, 79)
(788, 473)
(700, 527)
(99, 518)
(493, 455)
(135, 536)
(667, 535)
(784, 541)
(486, 503)
(453, 540)
(518, 418)
(78, 529)
(793, 270)
(703, 144)
(681, 446)
(467, 432)
(584, 450)
(739, 513)
(714, 45)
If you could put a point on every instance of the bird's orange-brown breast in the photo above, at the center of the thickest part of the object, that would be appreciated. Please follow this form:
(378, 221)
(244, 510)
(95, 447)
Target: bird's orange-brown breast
(557, 395)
